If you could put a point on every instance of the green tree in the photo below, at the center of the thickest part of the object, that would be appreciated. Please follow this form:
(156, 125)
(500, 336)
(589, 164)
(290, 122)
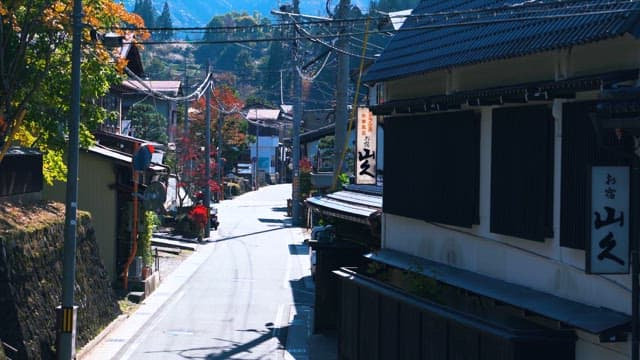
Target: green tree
(144, 8)
(148, 124)
(241, 59)
(164, 23)
(35, 84)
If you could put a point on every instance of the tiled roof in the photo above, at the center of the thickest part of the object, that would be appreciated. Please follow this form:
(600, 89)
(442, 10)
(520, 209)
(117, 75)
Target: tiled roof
(263, 114)
(448, 33)
(170, 87)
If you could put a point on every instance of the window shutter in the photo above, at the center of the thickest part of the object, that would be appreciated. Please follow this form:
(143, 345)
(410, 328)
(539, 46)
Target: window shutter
(432, 167)
(522, 172)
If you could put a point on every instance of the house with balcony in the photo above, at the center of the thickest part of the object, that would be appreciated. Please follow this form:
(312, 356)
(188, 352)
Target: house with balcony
(511, 134)
(136, 88)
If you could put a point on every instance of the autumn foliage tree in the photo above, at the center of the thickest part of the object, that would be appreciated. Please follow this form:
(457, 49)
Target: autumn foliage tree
(190, 147)
(35, 75)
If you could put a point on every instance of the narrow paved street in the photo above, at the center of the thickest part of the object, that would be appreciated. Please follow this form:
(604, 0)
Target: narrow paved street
(248, 298)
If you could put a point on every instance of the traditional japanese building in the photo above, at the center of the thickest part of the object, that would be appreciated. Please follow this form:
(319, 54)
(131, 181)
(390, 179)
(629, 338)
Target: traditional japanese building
(510, 130)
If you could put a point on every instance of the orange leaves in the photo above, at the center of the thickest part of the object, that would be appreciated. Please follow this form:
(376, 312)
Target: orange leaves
(118, 11)
(107, 14)
(121, 64)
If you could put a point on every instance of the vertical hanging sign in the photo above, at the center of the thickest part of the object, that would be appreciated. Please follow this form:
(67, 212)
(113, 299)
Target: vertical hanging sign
(366, 147)
(608, 247)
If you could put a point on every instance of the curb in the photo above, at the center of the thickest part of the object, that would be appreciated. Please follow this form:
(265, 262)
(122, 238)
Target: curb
(86, 349)
(103, 347)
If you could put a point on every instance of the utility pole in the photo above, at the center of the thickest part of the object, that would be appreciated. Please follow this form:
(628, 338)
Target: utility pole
(257, 177)
(219, 152)
(67, 312)
(342, 87)
(296, 206)
(207, 150)
(186, 101)
(281, 90)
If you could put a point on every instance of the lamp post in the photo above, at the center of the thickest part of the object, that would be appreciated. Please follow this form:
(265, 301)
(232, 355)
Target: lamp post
(67, 312)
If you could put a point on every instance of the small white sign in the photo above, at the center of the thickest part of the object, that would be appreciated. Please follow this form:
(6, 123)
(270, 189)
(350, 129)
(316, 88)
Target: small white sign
(608, 248)
(366, 147)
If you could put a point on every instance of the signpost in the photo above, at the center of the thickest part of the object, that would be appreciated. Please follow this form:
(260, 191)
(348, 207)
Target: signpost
(366, 147)
(609, 220)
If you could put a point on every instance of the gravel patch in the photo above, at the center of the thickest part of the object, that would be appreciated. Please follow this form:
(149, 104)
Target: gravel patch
(168, 262)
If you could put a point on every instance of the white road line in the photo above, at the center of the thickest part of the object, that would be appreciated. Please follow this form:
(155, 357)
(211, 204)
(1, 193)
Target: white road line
(143, 335)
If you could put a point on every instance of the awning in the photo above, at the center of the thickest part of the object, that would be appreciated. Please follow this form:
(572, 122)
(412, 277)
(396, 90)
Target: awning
(609, 324)
(347, 204)
(122, 157)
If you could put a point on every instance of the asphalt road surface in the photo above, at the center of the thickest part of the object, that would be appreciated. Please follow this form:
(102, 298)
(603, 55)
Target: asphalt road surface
(245, 300)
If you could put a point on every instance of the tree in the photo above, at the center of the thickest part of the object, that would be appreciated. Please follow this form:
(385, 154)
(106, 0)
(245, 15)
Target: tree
(35, 84)
(164, 23)
(144, 8)
(148, 124)
(241, 59)
(190, 147)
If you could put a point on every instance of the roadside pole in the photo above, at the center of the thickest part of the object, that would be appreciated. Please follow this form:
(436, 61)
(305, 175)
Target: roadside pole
(296, 206)
(67, 312)
(207, 150)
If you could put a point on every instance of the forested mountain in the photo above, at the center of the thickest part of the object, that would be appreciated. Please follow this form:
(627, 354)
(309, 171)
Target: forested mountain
(260, 69)
(186, 13)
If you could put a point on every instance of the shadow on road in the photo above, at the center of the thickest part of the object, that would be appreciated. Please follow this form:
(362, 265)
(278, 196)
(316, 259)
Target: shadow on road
(278, 221)
(233, 347)
(250, 234)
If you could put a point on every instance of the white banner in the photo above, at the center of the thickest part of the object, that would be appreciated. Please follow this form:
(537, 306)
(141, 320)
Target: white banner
(366, 147)
(608, 248)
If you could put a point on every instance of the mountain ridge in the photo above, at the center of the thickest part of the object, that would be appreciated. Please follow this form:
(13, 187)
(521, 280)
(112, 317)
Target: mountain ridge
(194, 13)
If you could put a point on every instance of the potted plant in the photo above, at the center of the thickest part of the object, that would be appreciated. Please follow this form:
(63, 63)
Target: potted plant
(149, 222)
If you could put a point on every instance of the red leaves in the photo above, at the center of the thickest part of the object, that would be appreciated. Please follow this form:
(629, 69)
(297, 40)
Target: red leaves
(305, 165)
(199, 215)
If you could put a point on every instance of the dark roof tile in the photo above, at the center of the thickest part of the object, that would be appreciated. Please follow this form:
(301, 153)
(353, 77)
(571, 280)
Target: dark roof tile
(485, 30)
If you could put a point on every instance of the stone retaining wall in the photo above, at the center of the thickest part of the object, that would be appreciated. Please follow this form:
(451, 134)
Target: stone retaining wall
(31, 256)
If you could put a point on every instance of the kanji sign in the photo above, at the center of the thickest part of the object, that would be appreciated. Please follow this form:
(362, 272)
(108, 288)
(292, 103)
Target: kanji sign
(608, 248)
(366, 147)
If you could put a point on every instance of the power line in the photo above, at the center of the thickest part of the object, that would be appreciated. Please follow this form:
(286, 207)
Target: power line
(524, 8)
(156, 94)
(403, 29)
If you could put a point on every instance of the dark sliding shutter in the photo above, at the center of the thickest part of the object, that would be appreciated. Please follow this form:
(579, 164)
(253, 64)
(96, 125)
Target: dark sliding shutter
(432, 167)
(522, 172)
(404, 193)
(579, 151)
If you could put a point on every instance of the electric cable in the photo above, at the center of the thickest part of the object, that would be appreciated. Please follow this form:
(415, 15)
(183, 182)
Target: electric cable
(354, 109)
